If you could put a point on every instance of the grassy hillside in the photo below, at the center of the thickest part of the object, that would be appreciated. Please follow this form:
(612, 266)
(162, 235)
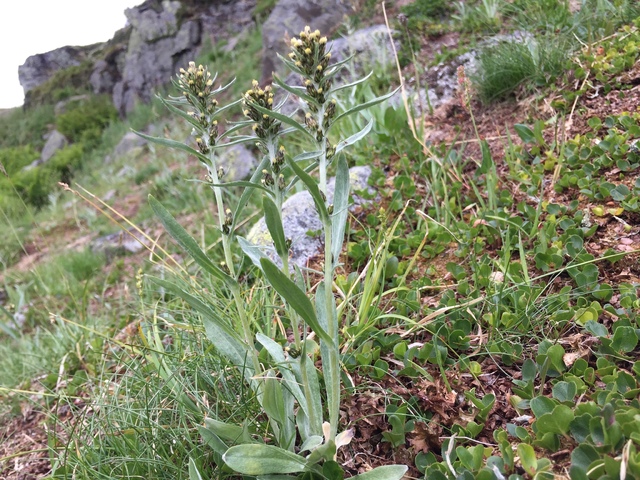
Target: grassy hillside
(486, 301)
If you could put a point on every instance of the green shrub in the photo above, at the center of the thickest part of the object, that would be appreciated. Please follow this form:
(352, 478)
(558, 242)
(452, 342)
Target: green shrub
(86, 120)
(16, 158)
(35, 185)
(25, 127)
(65, 162)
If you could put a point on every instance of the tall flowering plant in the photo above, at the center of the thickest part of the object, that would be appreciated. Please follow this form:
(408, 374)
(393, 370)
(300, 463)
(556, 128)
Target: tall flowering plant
(303, 411)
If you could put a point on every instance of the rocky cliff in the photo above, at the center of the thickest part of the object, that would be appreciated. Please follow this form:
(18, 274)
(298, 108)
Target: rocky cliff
(163, 35)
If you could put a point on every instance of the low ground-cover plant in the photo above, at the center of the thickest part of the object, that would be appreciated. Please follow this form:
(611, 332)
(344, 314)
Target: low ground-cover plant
(302, 406)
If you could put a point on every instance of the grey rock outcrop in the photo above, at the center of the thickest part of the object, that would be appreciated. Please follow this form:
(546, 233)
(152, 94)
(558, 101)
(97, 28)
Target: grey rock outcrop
(238, 162)
(37, 69)
(158, 43)
(127, 143)
(370, 45)
(289, 17)
(300, 219)
(117, 244)
(55, 141)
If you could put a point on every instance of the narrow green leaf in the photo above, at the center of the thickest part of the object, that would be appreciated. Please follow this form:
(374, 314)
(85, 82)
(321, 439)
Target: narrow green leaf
(295, 297)
(173, 109)
(220, 333)
(309, 156)
(213, 441)
(364, 106)
(187, 242)
(313, 411)
(194, 474)
(167, 142)
(277, 353)
(525, 133)
(340, 208)
(282, 118)
(386, 472)
(242, 183)
(299, 92)
(272, 399)
(354, 138)
(227, 431)
(246, 194)
(352, 84)
(263, 460)
(274, 224)
(313, 189)
(254, 252)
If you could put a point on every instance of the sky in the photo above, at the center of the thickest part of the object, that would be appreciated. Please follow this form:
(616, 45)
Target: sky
(28, 27)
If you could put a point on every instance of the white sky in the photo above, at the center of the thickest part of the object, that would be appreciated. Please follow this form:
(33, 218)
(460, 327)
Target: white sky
(28, 27)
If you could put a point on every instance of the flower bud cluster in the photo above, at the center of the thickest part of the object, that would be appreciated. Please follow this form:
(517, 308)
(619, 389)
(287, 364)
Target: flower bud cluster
(311, 60)
(227, 222)
(309, 56)
(196, 85)
(265, 126)
(269, 181)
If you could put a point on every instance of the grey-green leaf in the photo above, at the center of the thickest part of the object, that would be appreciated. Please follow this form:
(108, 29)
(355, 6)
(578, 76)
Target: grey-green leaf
(354, 138)
(295, 297)
(313, 189)
(282, 118)
(223, 337)
(254, 252)
(274, 224)
(187, 242)
(386, 472)
(194, 474)
(263, 460)
(364, 106)
(340, 208)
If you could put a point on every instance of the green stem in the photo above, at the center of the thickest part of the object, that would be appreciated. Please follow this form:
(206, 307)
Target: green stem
(333, 372)
(226, 245)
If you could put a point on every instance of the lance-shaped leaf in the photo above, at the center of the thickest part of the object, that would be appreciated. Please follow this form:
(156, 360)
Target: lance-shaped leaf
(254, 252)
(244, 198)
(194, 474)
(352, 84)
(277, 353)
(282, 118)
(227, 431)
(263, 460)
(297, 91)
(354, 138)
(295, 297)
(364, 106)
(314, 190)
(272, 398)
(167, 142)
(308, 156)
(178, 111)
(340, 208)
(188, 243)
(274, 224)
(242, 183)
(219, 332)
